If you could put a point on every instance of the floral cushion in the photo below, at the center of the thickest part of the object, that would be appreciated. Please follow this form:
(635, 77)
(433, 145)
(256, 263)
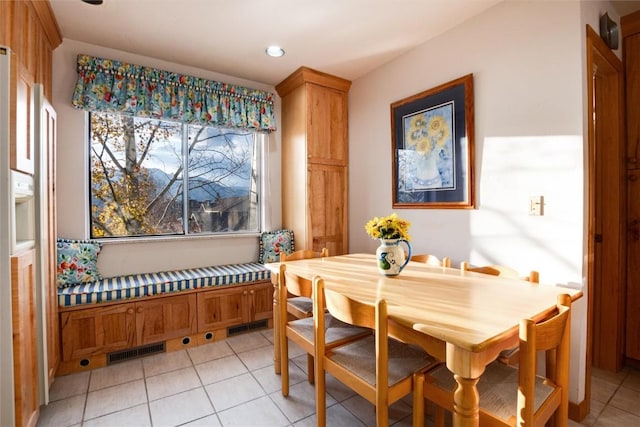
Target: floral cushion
(77, 261)
(274, 242)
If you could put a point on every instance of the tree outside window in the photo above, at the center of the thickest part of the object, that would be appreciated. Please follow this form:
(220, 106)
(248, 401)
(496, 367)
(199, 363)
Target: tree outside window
(140, 168)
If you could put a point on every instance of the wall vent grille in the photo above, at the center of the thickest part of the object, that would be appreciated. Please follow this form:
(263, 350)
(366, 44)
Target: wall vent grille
(235, 330)
(133, 353)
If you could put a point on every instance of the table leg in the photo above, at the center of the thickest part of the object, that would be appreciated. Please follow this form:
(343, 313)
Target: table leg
(466, 367)
(466, 402)
(276, 326)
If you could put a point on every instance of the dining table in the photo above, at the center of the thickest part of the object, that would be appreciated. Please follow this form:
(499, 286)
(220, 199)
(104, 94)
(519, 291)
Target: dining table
(471, 317)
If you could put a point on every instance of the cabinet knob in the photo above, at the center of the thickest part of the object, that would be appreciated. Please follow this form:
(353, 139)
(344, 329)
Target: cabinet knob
(139, 310)
(244, 293)
(252, 292)
(130, 311)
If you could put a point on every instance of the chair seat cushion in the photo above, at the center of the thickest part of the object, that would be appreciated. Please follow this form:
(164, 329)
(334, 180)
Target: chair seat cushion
(336, 331)
(301, 305)
(359, 357)
(498, 388)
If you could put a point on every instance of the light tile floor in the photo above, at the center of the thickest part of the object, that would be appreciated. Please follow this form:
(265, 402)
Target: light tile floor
(232, 383)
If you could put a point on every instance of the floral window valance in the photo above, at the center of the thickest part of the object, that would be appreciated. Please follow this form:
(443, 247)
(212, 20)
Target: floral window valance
(112, 86)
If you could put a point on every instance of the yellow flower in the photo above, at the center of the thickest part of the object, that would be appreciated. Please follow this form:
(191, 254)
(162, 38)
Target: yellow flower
(416, 131)
(388, 227)
(436, 124)
(424, 146)
(438, 130)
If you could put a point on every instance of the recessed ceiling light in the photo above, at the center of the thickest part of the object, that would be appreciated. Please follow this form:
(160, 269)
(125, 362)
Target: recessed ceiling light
(96, 2)
(274, 51)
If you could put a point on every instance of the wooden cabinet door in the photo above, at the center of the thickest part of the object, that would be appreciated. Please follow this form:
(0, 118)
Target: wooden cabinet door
(261, 301)
(328, 203)
(220, 308)
(22, 111)
(97, 330)
(165, 318)
(25, 351)
(47, 129)
(632, 347)
(327, 125)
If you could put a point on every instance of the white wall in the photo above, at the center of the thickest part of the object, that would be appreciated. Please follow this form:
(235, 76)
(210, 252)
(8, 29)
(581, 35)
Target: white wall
(72, 187)
(528, 68)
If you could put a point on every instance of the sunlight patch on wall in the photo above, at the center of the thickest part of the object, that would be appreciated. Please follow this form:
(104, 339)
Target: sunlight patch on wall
(510, 171)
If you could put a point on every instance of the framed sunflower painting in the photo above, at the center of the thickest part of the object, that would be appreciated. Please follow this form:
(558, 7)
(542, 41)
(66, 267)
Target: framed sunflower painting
(432, 136)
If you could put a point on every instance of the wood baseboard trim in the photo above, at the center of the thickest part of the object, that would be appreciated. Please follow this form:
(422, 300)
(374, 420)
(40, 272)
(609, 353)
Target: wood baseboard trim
(579, 411)
(83, 364)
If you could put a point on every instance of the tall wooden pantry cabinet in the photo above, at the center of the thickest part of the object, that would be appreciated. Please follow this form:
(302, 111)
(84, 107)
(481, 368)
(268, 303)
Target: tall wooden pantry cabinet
(315, 159)
(29, 333)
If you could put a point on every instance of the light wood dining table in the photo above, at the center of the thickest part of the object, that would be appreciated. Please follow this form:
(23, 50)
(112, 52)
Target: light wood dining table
(472, 316)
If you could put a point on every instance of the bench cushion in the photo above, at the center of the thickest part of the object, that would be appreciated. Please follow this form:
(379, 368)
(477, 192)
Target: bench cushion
(147, 284)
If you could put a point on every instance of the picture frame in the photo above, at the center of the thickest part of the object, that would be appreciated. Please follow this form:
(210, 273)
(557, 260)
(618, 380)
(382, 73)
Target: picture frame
(432, 136)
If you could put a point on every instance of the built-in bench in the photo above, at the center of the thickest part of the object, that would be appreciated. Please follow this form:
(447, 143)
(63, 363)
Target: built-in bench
(116, 318)
(149, 284)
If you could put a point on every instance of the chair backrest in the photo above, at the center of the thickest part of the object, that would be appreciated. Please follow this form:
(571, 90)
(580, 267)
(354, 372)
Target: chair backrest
(360, 314)
(344, 308)
(293, 284)
(303, 254)
(501, 270)
(432, 260)
(553, 337)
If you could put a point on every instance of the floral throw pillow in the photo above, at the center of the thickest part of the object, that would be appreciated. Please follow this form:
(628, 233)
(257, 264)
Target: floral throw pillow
(77, 262)
(274, 242)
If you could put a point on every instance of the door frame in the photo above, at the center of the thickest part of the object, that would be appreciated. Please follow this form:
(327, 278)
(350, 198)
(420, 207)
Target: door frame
(605, 71)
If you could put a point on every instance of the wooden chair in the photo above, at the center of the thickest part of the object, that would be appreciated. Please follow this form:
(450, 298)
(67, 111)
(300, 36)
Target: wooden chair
(432, 260)
(509, 356)
(516, 395)
(377, 367)
(301, 330)
(501, 270)
(299, 306)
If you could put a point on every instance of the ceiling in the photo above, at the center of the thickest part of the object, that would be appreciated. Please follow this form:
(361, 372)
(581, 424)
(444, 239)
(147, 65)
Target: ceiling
(348, 38)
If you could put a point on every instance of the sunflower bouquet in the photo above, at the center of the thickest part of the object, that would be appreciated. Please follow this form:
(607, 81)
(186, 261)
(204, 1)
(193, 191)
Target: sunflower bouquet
(388, 227)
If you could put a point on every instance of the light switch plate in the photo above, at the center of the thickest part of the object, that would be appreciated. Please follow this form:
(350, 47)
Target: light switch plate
(536, 205)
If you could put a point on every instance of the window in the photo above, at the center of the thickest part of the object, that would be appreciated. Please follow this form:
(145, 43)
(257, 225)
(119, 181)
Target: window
(153, 177)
